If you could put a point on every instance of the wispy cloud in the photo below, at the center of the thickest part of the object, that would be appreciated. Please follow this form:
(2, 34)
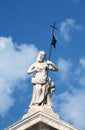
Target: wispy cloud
(71, 107)
(82, 62)
(64, 67)
(66, 27)
(70, 103)
(14, 61)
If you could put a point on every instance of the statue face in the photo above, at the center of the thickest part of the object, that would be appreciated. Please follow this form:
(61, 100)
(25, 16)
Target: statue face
(41, 56)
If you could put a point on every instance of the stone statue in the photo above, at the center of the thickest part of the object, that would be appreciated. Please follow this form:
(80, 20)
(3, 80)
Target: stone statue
(42, 84)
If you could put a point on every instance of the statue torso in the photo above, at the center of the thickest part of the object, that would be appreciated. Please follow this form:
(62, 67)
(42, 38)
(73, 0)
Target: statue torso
(40, 74)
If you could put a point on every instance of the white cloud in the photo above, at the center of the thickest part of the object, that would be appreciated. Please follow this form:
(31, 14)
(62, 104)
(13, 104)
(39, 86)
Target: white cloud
(66, 27)
(70, 103)
(64, 68)
(72, 107)
(80, 72)
(82, 81)
(14, 61)
(82, 62)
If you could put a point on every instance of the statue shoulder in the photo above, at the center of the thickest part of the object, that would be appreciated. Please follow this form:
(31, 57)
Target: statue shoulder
(49, 62)
(52, 66)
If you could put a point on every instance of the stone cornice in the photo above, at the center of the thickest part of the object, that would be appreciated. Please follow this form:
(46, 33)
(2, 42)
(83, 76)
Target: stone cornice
(41, 117)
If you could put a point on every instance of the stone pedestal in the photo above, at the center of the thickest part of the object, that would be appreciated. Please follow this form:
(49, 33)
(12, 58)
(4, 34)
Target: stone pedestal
(41, 118)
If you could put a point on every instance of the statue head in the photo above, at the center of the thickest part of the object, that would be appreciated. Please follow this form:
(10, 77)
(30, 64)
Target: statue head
(41, 56)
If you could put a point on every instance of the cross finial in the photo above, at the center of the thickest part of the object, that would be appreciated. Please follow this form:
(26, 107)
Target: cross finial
(54, 27)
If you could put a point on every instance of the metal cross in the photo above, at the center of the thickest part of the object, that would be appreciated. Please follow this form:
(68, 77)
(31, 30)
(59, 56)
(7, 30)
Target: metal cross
(54, 28)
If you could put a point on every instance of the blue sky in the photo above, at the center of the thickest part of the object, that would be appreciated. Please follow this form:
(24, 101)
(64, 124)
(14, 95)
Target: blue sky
(25, 30)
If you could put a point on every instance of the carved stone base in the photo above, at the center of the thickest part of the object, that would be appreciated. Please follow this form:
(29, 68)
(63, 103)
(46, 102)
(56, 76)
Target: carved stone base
(45, 109)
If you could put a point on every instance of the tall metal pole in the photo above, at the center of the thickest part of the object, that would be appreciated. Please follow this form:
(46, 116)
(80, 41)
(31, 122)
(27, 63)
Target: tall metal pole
(45, 95)
(53, 27)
